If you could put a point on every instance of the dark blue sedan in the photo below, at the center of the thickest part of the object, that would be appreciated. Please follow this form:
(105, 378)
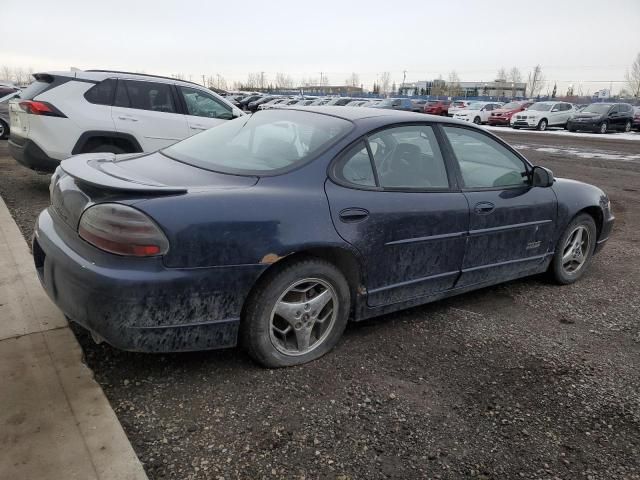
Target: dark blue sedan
(274, 230)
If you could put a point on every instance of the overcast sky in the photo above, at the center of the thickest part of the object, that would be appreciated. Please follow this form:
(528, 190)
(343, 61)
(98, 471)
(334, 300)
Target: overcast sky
(576, 41)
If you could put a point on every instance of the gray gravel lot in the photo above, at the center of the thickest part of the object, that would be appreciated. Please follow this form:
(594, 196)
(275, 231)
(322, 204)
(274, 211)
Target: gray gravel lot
(523, 380)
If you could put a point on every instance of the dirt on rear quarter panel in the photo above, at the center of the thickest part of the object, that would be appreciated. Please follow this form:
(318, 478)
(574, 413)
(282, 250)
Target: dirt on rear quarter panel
(523, 380)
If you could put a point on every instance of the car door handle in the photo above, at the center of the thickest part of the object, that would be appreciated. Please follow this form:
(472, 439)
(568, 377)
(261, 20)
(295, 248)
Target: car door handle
(127, 117)
(352, 215)
(484, 208)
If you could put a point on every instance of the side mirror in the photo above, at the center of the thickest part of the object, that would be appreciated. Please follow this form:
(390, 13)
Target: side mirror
(541, 177)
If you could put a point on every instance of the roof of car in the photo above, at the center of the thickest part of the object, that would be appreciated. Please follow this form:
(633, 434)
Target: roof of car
(99, 75)
(358, 113)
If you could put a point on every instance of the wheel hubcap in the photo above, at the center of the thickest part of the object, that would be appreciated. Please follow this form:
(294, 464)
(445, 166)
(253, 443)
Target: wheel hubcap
(575, 251)
(603, 128)
(303, 316)
(627, 127)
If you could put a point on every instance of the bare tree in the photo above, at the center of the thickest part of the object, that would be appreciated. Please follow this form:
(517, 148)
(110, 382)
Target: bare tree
(633, 77)
(535, 81)
(385, 82)
(353, 80)
(514, 77)
(283, 81)
(5, 74)
(453, 84)
(253, 81)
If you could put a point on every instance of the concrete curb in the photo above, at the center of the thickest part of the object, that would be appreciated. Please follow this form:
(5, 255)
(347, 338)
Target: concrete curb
(55, 421)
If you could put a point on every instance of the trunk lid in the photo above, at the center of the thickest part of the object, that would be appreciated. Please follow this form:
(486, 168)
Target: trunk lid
(83, 180)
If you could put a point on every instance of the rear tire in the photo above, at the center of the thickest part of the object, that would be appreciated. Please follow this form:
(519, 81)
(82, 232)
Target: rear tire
(627, 127)
(4, 130)
(275, 340)
(572, 258)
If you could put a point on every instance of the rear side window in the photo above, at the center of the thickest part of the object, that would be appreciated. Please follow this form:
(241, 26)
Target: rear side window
(102, 93)
(355, 166)
(152, 96)
(34, 89)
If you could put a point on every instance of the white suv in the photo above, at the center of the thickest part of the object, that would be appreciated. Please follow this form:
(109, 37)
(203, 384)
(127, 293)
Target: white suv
(541, 115)
(64, 113)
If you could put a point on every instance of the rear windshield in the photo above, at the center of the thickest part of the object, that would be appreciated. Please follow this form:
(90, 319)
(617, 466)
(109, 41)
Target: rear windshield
(35, 88)
(267, 142)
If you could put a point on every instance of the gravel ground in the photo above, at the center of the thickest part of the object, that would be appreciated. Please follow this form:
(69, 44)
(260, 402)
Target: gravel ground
(522, 380)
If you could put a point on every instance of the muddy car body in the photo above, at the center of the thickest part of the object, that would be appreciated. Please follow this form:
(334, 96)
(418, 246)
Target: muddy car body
(375, 211)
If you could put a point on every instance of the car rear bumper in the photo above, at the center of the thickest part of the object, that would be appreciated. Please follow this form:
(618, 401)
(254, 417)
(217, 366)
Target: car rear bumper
(138, 304)
(29, 154)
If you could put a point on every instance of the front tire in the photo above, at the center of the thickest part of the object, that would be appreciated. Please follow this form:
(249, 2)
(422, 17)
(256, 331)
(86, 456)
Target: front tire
(296, 314)
(574, 250)
(542, 125)
(4, 130)
(604, 126)
(477, 120)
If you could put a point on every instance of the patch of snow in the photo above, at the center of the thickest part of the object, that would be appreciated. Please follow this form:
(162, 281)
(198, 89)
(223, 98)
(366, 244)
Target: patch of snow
(593, 154)
(563, 132)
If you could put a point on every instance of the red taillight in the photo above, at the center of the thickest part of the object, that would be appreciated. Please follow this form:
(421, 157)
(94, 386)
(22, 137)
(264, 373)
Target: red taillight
(40, 108)
(122, 230)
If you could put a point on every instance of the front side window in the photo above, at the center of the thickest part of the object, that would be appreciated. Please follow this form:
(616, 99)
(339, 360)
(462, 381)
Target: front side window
(152, 96)
(202, 105)
(272, 141)
(540, 107)
(485, 163)
(408, 157)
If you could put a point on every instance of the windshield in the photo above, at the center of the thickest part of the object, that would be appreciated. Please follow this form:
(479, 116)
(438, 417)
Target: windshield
(8, 97)
(541, 107)
(476, 106)
(385, 103)
(597, 108)
(511, 106)
(269, 141)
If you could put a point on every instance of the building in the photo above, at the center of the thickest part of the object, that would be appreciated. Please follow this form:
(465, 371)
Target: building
(439, 87)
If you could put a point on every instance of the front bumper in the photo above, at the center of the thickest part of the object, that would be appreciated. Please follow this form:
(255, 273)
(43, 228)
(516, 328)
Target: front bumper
(29, 154)
(138, 304)
(526, 123)
(585, 125)
(499, 120)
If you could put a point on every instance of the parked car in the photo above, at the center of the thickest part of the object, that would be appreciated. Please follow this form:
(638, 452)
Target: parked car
(636, 119)
(418, 105)
(456, 106)
(6, 89)
(502, 115)
(319, 102)
(244, 103)
(4, 114)
(273, 103)
(541, 115)
(166, 251)
(395, 104)
(602, 117)
(253, 106)
(579, 108)
(477, 112)
(338, 102)
(355, 103)
(437, 107)
(371, 103)
(64, 113)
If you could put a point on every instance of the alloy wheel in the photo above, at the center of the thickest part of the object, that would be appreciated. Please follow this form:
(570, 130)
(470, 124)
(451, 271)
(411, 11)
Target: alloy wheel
(627, 127)
(543, 125)
(603, 127)
(576, 249)
(303, 316)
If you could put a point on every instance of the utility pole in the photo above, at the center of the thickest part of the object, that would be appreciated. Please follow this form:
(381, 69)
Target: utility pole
(404, 77)
(218, 75)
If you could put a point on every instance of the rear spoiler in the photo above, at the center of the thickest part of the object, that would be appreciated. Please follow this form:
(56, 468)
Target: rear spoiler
(102, 170)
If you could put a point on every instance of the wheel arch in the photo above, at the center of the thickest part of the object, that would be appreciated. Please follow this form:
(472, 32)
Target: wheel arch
(94, 138)
(345, 259)
(598, 217)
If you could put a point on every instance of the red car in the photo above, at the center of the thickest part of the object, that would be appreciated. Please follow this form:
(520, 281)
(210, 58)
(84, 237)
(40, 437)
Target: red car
(502, 115)
(437, 107)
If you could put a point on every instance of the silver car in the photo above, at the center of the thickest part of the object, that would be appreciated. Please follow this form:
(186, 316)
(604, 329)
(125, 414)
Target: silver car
(4, 114)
